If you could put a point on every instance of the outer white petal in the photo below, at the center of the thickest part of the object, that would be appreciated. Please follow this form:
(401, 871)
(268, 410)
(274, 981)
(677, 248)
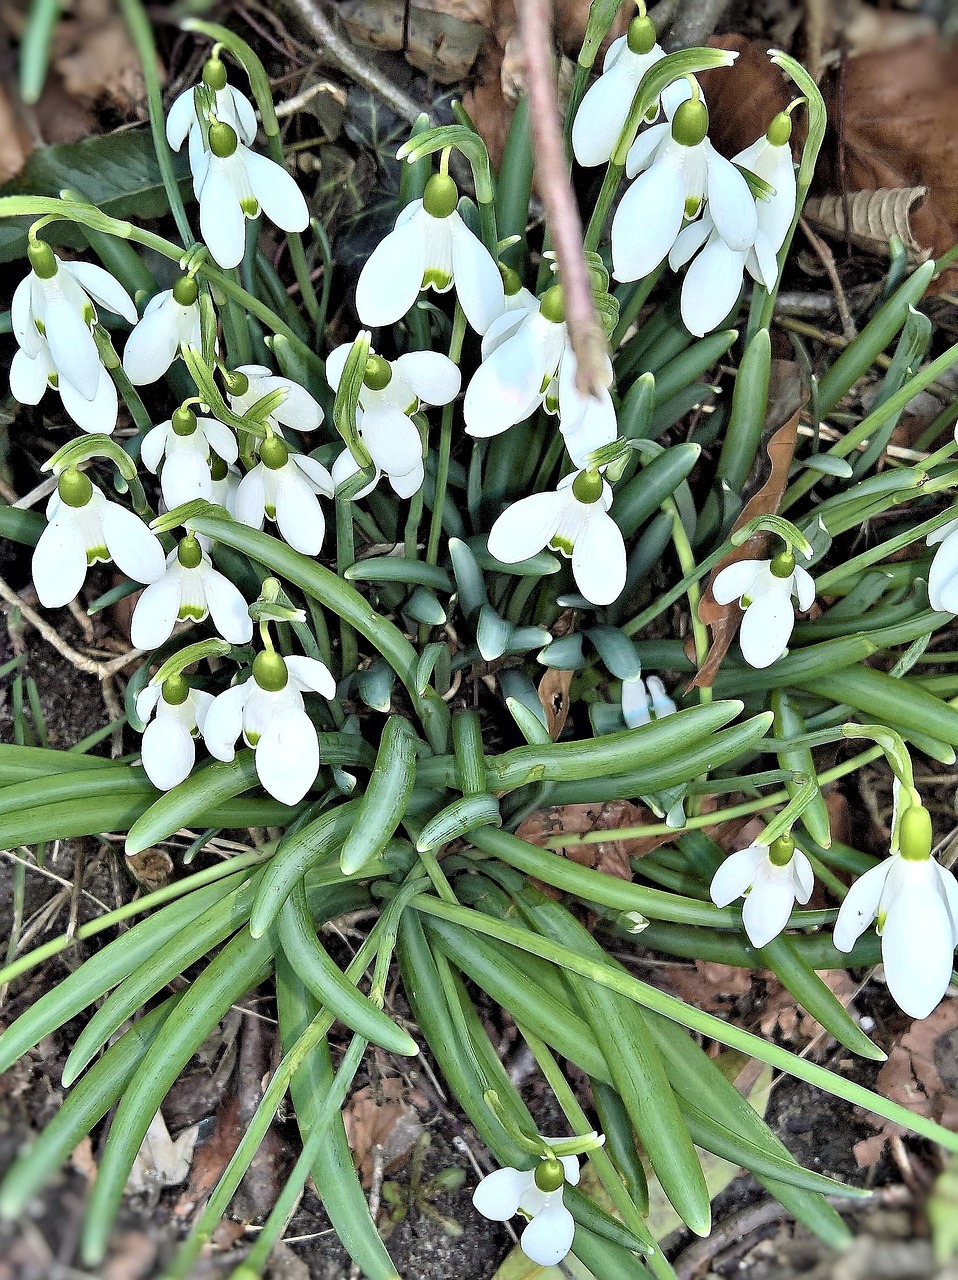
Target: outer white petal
(860, 906)
(600, 118)
(390, 281)
(735, 580)
(804, 588)
(526, 527)
(506, 326)
(135, 549)
(478, 281)
(730, 202)
(648, 219)
(803, 877)
(227, 607)
(943, 577)
(59, 565)
(224, 720)
(185, 476)
(433, 377)
(152, 346)
(766, 629)
(689, 240)
(635, 703)
(548, 1237)
(244, 113)
(768, 905)
(222, 221)
(21, 316)
(711, 287)
(97, 416)
(72, 348)
(167, 751)
(310, 673)
(336, 363)
(154, 446)
(736, 874)
(154, 615)
(344, 467)
(507, 386)
(278, 192)
(181, 118)
(299, 516)
(598, 558)
(405, 486)
(103, 288)
(220, 438)
(949, 888)
(317, 475)
(299, 410)
(761, 262)
(146, 701)
(393, 440)
(918, 946)
(287, 756)
(250, 501)
(642, 151)
(586, 422)
(28, 376)
(498, 1194)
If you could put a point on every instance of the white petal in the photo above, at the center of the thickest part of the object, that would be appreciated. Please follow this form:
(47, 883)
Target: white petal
(59, 565)
(949, 887)
(224, 720)
(648, 219)
(433, 377)
(103, 288)
(548, 1237)
(526, 527)
(804, 587)
(586, 422)
(598, 558)
(643, 149)
(393, 440)
(860, 906)
(299, 516)
(278, 193)
(227, 607)
(243, 112)
(154, 446)
(287, 756)
(222, 221)
(146, 701)
(730, 202)
(152, 346)
(168, 752)
(735, 580)
(220, 438)
(507, 386)
(299, 410)
(390, 281)
(28, 376)
(766, 629)
(405, 486)
(72, 348)
(803, 877)
(155, 613)
(688, 242)
(736, 874)
(478, 281)
(498, 1194)
(97, 416)
(185, 476)
(601, 116)
(249, 506)
(918, 947)
(336, 363)
(315, 473)
(310, 673)
(768, 905)
(21, 316)
(135, 549)
(711, 287)
(181, 118)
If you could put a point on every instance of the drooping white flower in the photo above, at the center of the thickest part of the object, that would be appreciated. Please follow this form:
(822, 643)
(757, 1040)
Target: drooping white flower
(173, 713)
(430, 247)
(185, 446)
(772, 878)
(602, 114)
(915, 903)
(537, 1194)
(190, 590)
(53, 315)
(713, 281)
(233, 184)
(770, 158)
(268, 710)
(764, 589)
(170, 323)
(528, 361)
(83, 528)
(645, 700)
(228, 105)
(284, 486)
(679, 172)
(943, 576)
(574, 521)
(392, 392)
(251, 382)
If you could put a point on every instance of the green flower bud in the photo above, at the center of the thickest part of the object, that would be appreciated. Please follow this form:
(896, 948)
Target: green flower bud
(780, 130)
(185, 291)
(42, 259)
(175, 690)
(269, 671)
(378, 374)
(587, 486)
(549, 1175)
(189, 553)
(552, 305)
(223, 140)
(183, 421)
(441, 196)
(273, 453)
(641, 35)
(780, 851)
(690, 123)
(74, 488)
(214, 74)
(782, 565)
(914, 833)
(237, 383)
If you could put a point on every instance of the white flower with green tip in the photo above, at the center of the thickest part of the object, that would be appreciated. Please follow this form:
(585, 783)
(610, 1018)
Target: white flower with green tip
(229, 105)
(268, 710)
(170, 323)
(772, 878)
(30, 376)
(251, 382)
(173, 714)
(770, 158)
(914, 902)
(189, 591)
(430, 247)
(84, 528)
(538, 1195)
(182, 451)
(644, 701)
(283, 486)
(764, 589)
(574, 521)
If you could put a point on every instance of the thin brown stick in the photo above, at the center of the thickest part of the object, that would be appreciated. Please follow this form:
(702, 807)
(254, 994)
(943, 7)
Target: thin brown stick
(562, 213)
(826, 258)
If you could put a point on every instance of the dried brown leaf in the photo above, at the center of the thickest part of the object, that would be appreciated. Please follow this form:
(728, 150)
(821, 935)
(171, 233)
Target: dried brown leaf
(784, 1018)
(611, 856)
(873, 216)
(14, 141)
(554, 695)
(708, 985)
(383, 1120)
(93, 53)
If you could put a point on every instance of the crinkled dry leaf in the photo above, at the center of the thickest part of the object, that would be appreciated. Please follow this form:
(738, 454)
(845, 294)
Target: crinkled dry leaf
(611, 856)
(707, 984)
(873, 216)
(783, 1018)
(553, 693)
(94, 55)
(15, 144)
(381, 1118)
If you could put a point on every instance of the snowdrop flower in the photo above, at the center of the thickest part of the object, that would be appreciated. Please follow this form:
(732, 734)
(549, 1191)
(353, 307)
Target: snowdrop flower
(770, 158)
(713, 281)
(430, 247)
(170, 322)
(533, 365)
(268, 710)
(915, 903)
(185, 446)
(392, 392)
(190, 590)
(943, 577)
(53, 316)
(229, 106)
(84, 528)
(251, 382)
(233, 184)
(173, 713)
(537, 1194)
(605, 108)
(284, 487)
(772, 878)
(574, 521)
(645, 700)
(679, 171)
(764, 589)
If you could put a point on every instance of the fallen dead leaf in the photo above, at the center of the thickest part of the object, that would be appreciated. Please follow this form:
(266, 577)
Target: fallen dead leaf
(611, 856)
(151, 869)
(14, 142)
(162, 1161)
(784, 1018)
(382, 1120)
(553, 693)
(93, 53)
(708, 985)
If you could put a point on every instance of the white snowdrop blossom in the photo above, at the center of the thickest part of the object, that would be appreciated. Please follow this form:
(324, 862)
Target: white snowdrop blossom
(284, 487)
(53, 315)
(528, 362)
(251, 382)
(83, 528)
(574, 520)
(228, 105)
(170, 323)
(677, 174)
(914, 901)
(943, 576)
(644, 701)
(771, 878)
(173, 713)
(184, 447)
(770, 158)
(392, 392)
(190, 590)
(537, 1194)
(602, 114)
(764, 589)
(713, 281)
(430, 247)
(268, 710)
